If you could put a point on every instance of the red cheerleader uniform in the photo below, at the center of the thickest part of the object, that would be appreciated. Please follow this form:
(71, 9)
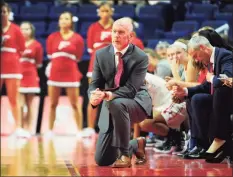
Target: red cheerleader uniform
(136, 41)
(97, 38)
(31, 59)
(64, 53)
(12, 46)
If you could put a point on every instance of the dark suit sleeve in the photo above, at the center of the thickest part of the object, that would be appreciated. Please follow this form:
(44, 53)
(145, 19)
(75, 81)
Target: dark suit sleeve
(203, 88)
(226, 68)
(135, 80)
(97, 80)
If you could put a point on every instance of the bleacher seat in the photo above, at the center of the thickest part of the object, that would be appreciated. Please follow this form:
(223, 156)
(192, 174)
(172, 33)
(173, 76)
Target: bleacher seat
(124, 11)
(56, 11)
(189, 4)
(214, 23)
(151, 43)
(151, 17)
(181, 29)
(40, 28)
(226, 17)
(52, 27)
(228, 8)
(47, 2)
(37, 12)
(140, 31)
(84, 29)
(15, 8)
(87, 12)
(202, 12)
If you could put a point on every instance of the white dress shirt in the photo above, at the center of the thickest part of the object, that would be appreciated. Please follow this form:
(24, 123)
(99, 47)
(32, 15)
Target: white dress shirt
(121, 51)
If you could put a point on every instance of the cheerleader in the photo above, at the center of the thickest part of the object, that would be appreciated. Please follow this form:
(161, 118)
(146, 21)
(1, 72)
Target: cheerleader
(12, 46)
(31, 60)
(98, 36)
(64, 48)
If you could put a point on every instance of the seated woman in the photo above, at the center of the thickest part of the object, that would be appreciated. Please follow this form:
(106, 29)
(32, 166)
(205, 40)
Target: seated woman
(184, 72)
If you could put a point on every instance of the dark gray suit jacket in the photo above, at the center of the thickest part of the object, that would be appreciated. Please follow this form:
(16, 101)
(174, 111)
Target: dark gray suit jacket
(131, 84)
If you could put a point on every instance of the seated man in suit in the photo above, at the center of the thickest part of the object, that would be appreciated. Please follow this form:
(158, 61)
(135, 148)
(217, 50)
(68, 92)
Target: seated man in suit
(118, 81)
(211, 101)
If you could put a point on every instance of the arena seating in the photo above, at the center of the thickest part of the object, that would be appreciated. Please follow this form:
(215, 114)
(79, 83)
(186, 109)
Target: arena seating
(152, 20)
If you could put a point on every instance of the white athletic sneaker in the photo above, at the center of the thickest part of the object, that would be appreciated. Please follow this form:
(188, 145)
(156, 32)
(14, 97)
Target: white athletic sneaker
(88, 132)
(21, 133)
(49, 134)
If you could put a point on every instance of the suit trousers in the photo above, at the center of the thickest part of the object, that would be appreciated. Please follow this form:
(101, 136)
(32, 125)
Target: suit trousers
(222, 110)
(210, 114)
(124, 112)
(199, 108)
(202, 112)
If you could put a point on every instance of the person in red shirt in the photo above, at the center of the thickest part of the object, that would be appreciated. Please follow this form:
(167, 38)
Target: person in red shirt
(138, 42)
(134, 39)
(65, 48)
(30, 60)
(12, 47)
(98, 36)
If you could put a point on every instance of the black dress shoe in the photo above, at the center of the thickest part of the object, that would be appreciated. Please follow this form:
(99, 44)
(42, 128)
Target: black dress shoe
(219, 155)
(218, 158)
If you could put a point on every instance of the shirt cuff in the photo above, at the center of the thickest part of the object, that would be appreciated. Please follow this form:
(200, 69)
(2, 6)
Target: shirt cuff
(108, 96)
(186, 91)
(212, 79)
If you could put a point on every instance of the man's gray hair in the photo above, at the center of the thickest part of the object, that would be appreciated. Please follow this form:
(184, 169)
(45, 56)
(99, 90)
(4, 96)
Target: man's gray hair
(196, 41)
(126, 23)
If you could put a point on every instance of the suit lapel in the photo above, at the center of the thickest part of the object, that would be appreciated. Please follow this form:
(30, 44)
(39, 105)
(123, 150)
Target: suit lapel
(111, 61)
(128, 53)
(216, 59)
(111, 65)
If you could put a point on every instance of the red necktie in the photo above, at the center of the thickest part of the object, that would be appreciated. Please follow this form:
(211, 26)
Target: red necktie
(120, 69)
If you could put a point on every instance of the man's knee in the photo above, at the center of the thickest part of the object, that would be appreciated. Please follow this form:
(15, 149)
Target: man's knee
(99, 160)
(116, 104)
(102, 161)
(200, 102)
(200, 99)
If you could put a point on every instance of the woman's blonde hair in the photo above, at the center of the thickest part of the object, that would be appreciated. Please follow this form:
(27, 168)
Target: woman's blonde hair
(182, 43)
(182, 40)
